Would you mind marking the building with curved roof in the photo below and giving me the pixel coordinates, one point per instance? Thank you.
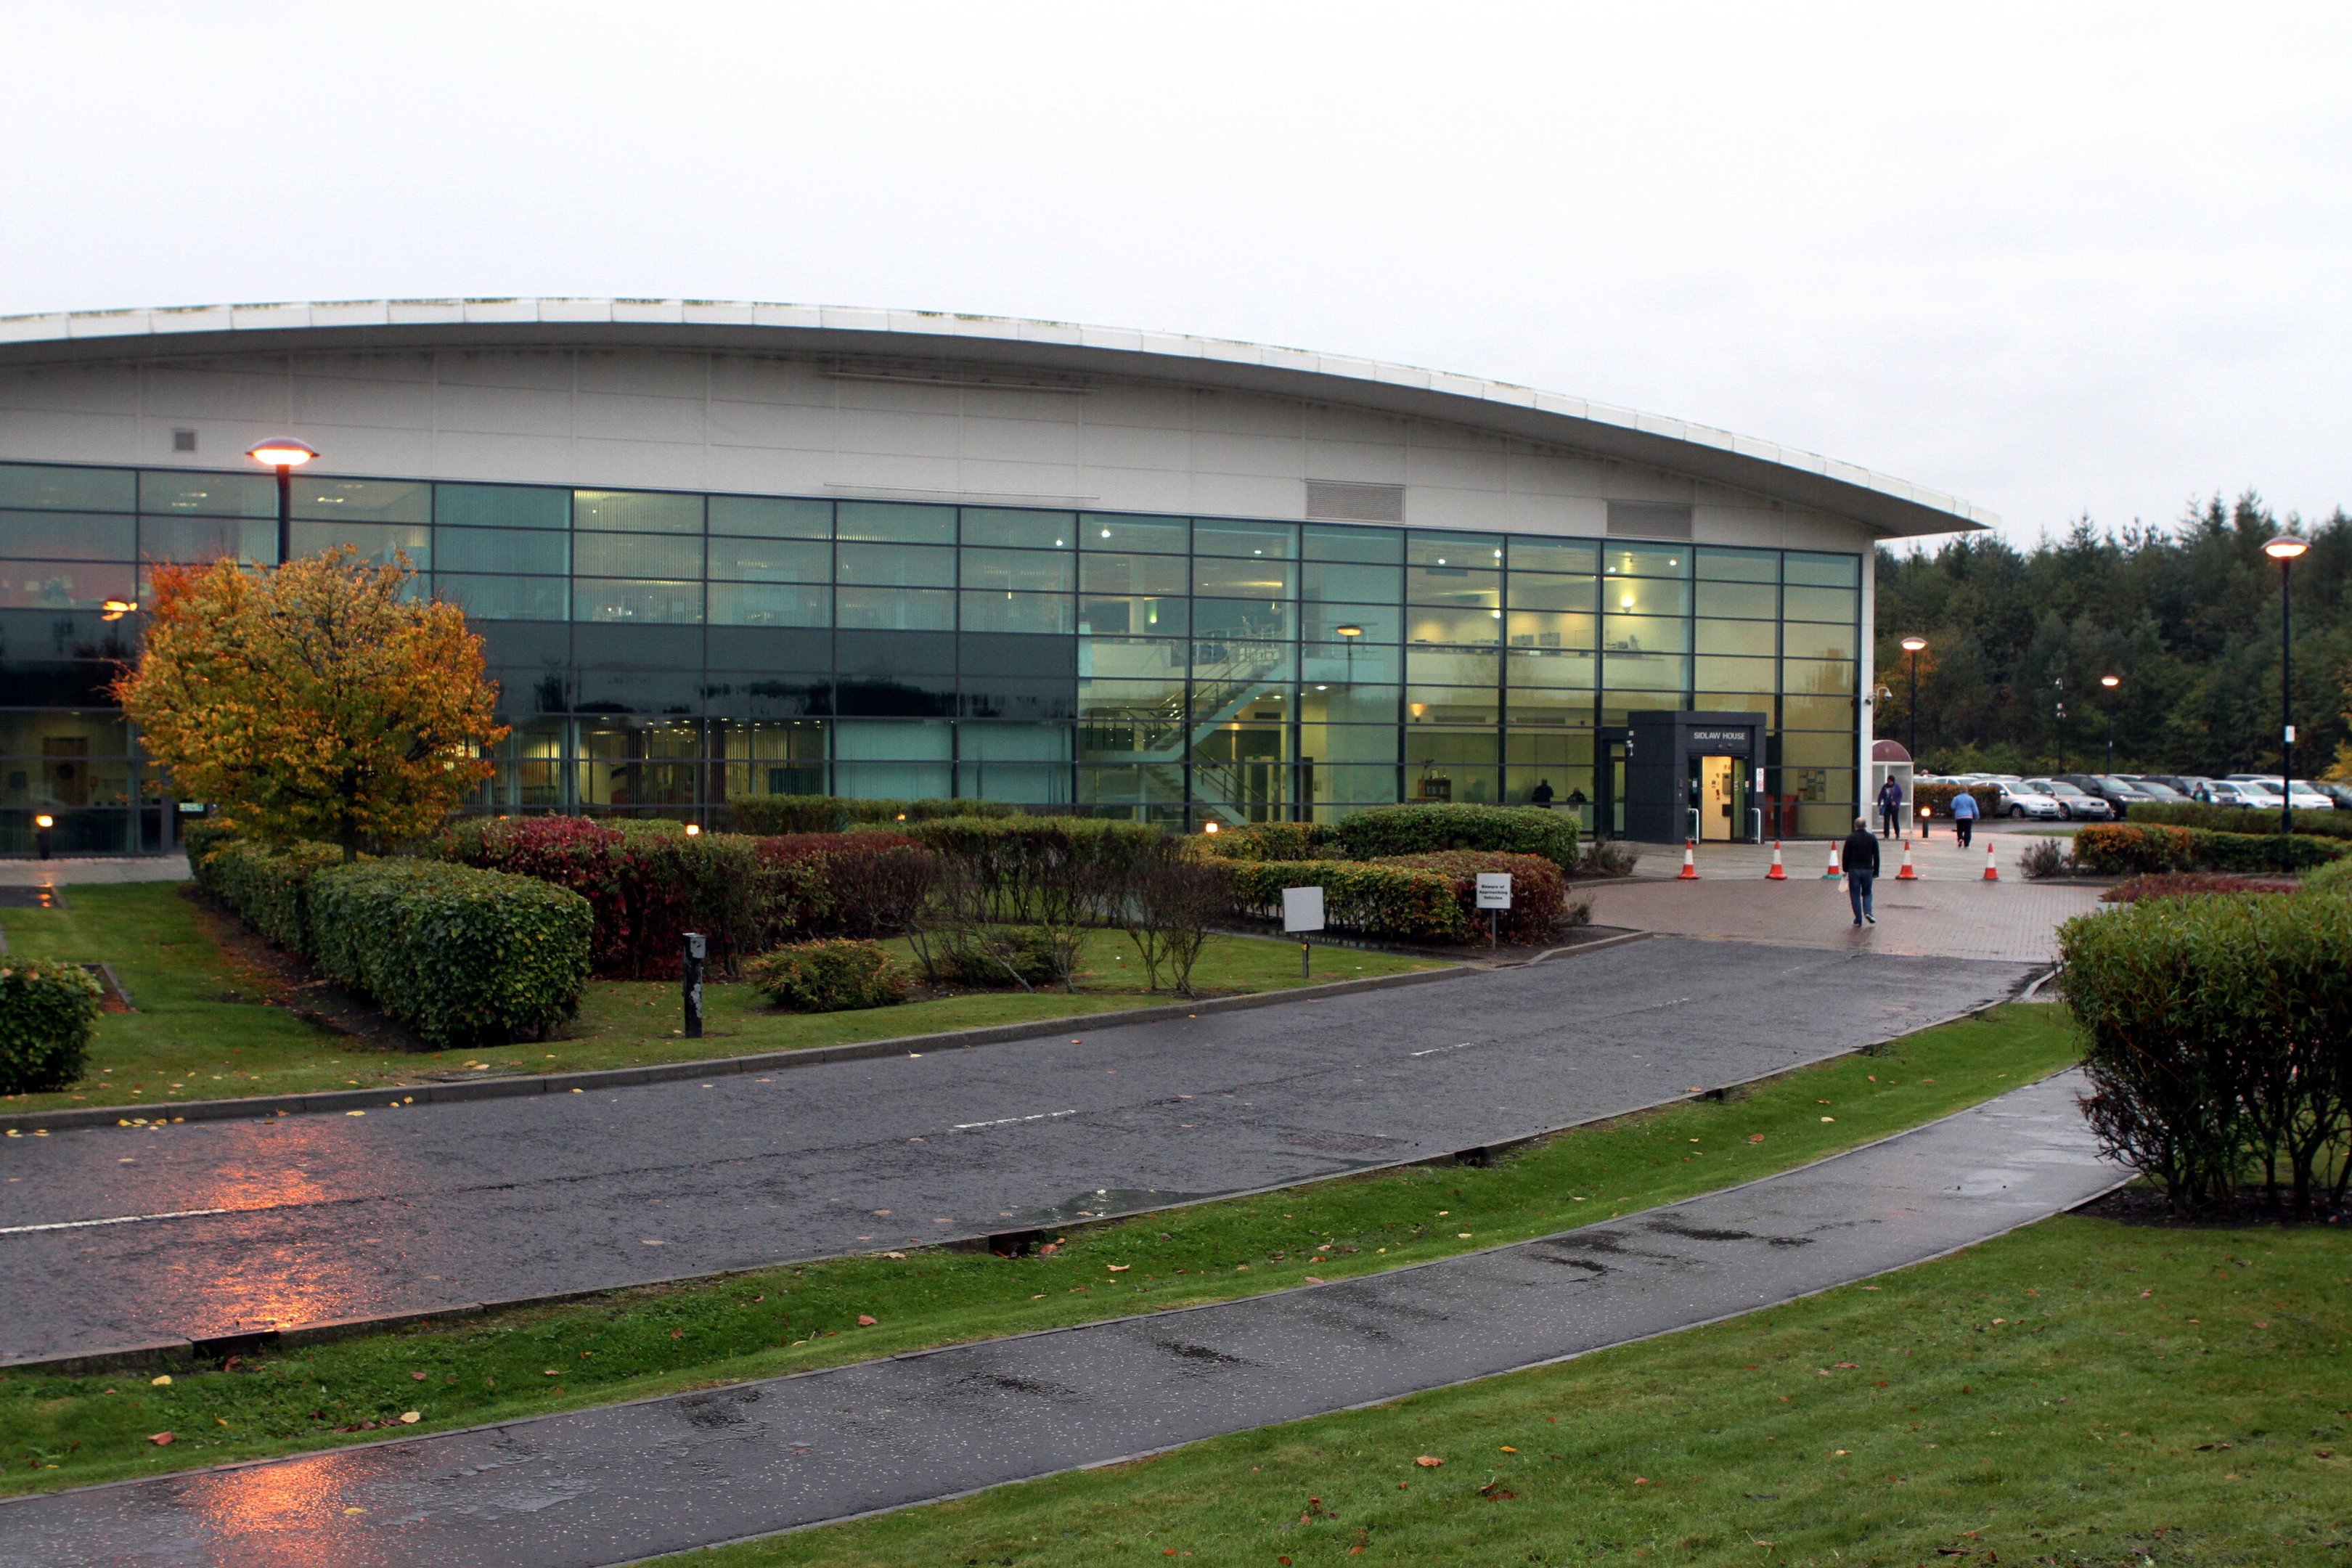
(718, 549)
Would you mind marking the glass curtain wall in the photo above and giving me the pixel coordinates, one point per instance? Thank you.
(662, 653)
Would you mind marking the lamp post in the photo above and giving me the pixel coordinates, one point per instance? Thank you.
(2286, 549)
(2059, 685)
(1912, 644)
(2110, 682)
(284, 454)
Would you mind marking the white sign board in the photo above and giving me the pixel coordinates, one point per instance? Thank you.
(1302, 909)
(1494, 890)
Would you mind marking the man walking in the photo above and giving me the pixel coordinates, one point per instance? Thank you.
(1964, 816)
(1861, 860)
(1890, 807)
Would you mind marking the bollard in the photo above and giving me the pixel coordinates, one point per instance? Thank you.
(698, 948)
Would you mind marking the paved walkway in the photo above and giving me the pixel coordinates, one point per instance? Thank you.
(112, 1238)
(626, 1482)
(93, 868)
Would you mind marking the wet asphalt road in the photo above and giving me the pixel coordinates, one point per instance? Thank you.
(626, 1482)
(437, 1207)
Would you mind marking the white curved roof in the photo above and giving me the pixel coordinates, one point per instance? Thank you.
(1891, 505)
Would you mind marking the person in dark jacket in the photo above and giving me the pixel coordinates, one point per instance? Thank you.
(1890, 806)
(1860, 859)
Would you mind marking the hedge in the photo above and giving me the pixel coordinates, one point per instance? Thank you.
(1417, 829)
(2132, 848)
(1027, 870)
(1273, 841)
(775, 813)
(1937, 798)
(828, 976)
(2336, 877)
(1403, 902)
(649, 885)
(1540, 904)
(2219, 1040)
(268, 888)
(461, 956)
(2241, 818)
(47, 1011)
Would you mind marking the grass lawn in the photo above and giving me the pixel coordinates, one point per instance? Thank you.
(640, 1342)
(187, 1042)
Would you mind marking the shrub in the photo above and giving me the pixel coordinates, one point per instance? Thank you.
(1417, 829)
(866, 884)
(2182, 884)
(1400, 902)
(2045, 858)
(2134, 848)
(2336, 877)
(1539, 902)
(1172, 898)
(831, 976)
(2242, 819)
(1608, 857)
(776, 814)
(269, 889)
(1273, 841)
(1058, 874)
(992, 958)
(2219, 1040)
(461, 956)
(47, 1011)
(200, 839)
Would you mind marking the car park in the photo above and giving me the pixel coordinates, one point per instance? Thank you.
(2118, 792)
(2300, 795)
(2020, 799)
(2079, 804)
(2155, 788)
(2232, 792)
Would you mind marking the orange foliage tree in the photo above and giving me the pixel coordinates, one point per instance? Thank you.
(312, 701)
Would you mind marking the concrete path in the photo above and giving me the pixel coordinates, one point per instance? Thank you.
(112, 1238)
(93, 868)
(626, 1482)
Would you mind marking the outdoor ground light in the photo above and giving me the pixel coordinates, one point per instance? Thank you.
(284, 454)
(694, 830)
(45, 820)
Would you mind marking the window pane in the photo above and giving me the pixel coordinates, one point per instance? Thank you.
(888, 522)
(1376, 546)
(1236, 666)
(507, 598)
(770, 604)
(1484, 551)
(1537, 667)
(1815, 676)
(614, 599)
(1136, 616)
(1817, 639)
(1453, 705)
(1242, 619)
(375, 542)
(1816, 748)
(1616, 705)
(1451, 666)
(1800, 712)
(324, 500)
(1016, 697)
(1757, 675)
(210, 495)
(1553, 706)
(1012, 743)
(1648, 672)
(770, 517)
(1020, 529)
(1156, 577)
(1146, 791)
(1533, 593)
(1555, 555)
(1458, 586)
(1821, 604)
(1347, 663)
(1238, 579)
(50, 585)
(68, 536)
(1755, 601)
(986, 611)
(503, 549)
(1336, 790)
(772, 560)
(1534, 628)
(1328, 702)
(1348, 743)
(1738, 565)
(1754, 637)
(1352, 583)
(1152, 535)
(896, 564)
(1262, 541)
(1240, 743)
(1739, 702)
(1425, 748)
(1121, 702)
(1373, 623)
(1823, 571)
(896, 609)
(1430, 625)
(636, 555)
(1644, 634)
(203, 538)
(1132, 658)
(77, 489)
(636, 512)
(501, 506)
(1646, 560)
(1637, 596)
(1031, 571)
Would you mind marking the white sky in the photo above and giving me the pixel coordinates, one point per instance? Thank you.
(2051, 258)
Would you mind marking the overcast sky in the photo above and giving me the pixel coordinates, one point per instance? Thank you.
(2054, 259)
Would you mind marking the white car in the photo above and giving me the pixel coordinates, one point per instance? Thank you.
(2301, 798)
(2235, 791)
(2076, 803)
(2019, 799)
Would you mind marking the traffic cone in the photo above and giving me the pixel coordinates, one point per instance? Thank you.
(1776, 874)
(1833, 873)
(1992, 871)
(1906, 874)
(1690, 864)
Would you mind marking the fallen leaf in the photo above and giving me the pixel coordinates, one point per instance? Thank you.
(162, 1382)
(1509, 1450)
(864, 1321)
(1641, 1480)
(1310, 1280)
(1829, 1118)
(159, 1439)
(1755, 1137)
(1429, 1461)
(1119, 1268)
(1495, 1491)
(901, 1256)
(352, 1510)
(1850, 1367)
(411, 1417)
(416, 1377)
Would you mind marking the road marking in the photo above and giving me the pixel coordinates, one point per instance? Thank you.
(1435, 1049)
(1009, 1121)
(118, 1219)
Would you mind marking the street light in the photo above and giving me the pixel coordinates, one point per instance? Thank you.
(1912, 644)
(2059, 685)
(2110, 682)
(2286, 549)
(284, 454)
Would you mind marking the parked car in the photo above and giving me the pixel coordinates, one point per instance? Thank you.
(2119, 793)
(2079, 804)
(2019, 799)
(2301, 796)
(2233, 792)
(2153, 787)
(2340, 794)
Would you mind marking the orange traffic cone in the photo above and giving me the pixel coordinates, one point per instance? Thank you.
(1992, 871)
(1834, 873)
(1690, 864)
(1906, 874)
(1776, 874)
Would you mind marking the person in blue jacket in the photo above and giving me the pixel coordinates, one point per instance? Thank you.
(1964, 815)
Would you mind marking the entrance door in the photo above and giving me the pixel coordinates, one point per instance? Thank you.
(1609, 785)
(1719, 786)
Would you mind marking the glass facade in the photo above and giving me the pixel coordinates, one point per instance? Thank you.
(661, 652)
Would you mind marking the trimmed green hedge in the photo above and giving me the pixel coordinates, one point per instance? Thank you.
(836, 814)
(1031, 869)
(1273, 841)
(1937, 798)
(268, 888)
(2336, 877)
(47, 1011)
(1418, 829)
(2135, 847)
(1403, 902)
(1540, 904)
(462, 956)
(2241, 818)
(827, 976)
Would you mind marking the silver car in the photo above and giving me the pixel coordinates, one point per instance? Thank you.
(2077, 804)
(2021, 799)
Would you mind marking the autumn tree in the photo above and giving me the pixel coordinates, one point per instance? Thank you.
(312, 701)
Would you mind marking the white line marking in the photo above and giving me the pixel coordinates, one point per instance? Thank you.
(1009, 1121)
(1435, 1049)
(118, 1219)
